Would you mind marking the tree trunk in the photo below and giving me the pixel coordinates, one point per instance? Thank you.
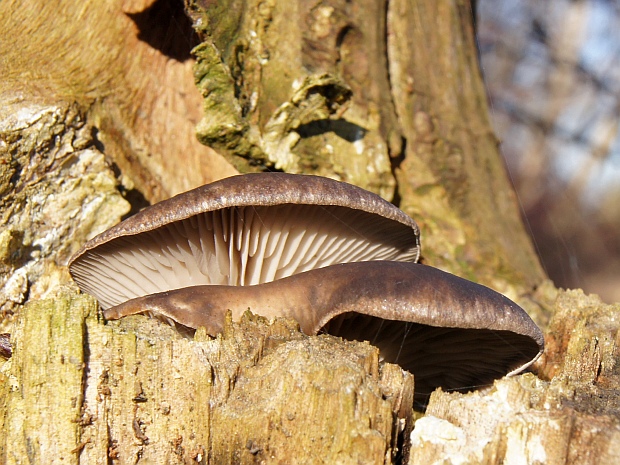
(385, 95)
(97, 118)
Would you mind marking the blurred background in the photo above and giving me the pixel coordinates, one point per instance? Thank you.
(552, 70)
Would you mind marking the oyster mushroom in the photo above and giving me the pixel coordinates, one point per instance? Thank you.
(243, 230)
(333, 256)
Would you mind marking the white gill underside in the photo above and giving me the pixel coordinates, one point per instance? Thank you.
(238, 246)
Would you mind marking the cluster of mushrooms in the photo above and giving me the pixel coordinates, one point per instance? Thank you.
(335, 257)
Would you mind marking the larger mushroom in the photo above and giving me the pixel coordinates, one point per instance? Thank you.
(333, 256)
(243, 230)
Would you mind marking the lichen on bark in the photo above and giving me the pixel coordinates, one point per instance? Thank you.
(329, 131)
(57, 186)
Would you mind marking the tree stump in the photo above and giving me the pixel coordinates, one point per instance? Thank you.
(99, 102)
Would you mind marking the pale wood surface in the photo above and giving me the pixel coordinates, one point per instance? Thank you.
(78, 391)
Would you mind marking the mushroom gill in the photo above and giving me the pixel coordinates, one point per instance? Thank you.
(243, 230)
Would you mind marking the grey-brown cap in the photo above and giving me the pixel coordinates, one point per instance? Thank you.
(243, 230)
(447, 331)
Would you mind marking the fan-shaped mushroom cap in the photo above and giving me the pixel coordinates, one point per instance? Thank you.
(447, 331)
(243, 230)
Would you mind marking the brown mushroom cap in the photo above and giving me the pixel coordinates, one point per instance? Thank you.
(243, 230)
(447, 331)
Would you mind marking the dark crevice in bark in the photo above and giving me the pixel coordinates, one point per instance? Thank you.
(165, 27)
(395, 164)
(396, 159)
(344, 129)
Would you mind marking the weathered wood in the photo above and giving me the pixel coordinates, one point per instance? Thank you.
(569, 415)
(56, 191)
(42, 385)
(452, 176)
(79, 391)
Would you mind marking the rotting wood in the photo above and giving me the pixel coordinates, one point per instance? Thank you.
(137, 390)
(79, 391)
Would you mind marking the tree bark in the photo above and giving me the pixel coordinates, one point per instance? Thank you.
(386, 95)
(99, 101)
